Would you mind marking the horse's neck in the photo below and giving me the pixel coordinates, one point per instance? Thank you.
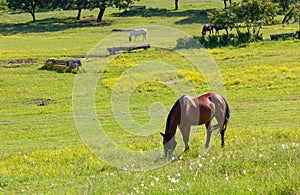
(173, 120)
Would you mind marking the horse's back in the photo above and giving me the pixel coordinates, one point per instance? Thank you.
(196, 110)
(139, 31)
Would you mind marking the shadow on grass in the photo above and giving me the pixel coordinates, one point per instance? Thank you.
(191, 16)
(58, 24)
(50, 25)
(215, 41)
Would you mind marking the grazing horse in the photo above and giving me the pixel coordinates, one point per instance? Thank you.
(138, 32)
(217, 28)
(207, 27)
(188, 111)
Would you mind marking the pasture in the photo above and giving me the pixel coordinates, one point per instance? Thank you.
(42, 151)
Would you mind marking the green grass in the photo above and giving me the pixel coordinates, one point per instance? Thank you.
(42, 152)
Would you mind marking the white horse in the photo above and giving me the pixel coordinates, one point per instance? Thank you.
(138, 32)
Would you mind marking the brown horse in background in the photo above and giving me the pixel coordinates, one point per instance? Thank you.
(217, 28)
(188, 111)
(207, 27)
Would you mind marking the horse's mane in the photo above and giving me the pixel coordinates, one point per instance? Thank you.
(172, 114)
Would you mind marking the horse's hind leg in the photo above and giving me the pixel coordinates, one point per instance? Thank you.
(222, 138)
(220, 120)
(208, 133)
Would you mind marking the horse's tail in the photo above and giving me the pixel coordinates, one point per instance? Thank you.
(227, 115)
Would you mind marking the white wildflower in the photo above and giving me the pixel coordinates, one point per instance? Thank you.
(174, 180)
(156, 179)
(227, 178)
(136, 189)
(295, 144)
(285, 146)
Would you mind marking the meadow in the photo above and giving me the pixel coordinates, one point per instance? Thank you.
(43, 150)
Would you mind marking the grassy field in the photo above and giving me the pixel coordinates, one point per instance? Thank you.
(43, 150)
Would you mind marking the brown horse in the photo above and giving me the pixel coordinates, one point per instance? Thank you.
(217, 28)
(188, 111)
(207, 27)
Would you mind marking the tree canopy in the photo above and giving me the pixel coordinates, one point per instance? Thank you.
(292, 14)
(252, 13)
(30, 6)
(3, 6)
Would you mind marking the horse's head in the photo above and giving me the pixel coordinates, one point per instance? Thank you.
(130, 38)
(204, 30)
(169, 144)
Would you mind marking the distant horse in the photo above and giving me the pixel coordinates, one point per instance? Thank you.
(207, 27)
(217, 28)
(188, 111)
(138, 32)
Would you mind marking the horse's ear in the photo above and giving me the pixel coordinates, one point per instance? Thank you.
(162, 134)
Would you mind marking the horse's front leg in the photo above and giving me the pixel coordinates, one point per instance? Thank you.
(185, 131)
(208, 133)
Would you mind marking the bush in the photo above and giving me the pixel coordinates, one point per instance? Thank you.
(59, 69)
(188, 43)
(297, 34)
(230, 39)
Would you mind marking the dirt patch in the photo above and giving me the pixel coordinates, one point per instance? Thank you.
(88, 56)
(19, 63)
(28, 61)
(94, 20)
(41, 102)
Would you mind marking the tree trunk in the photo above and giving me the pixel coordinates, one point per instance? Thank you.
(225, 3)
(101, 13)
(176, 4)
(32, 11)
(79, 14)
(33, 16)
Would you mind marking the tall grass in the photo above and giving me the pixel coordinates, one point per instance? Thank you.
(42, 152)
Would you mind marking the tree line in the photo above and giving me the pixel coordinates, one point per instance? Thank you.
(30, 6)
(252, 13)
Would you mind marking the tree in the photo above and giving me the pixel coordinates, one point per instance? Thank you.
(225, 3)
(78, 5)
(224, 17)
(285, 3)
(3, 6)
(176, 4)
(255, 13)
(292, 14)
(103, 4)
(29, 6)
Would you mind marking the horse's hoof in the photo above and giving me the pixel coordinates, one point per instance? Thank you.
(187, 149)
